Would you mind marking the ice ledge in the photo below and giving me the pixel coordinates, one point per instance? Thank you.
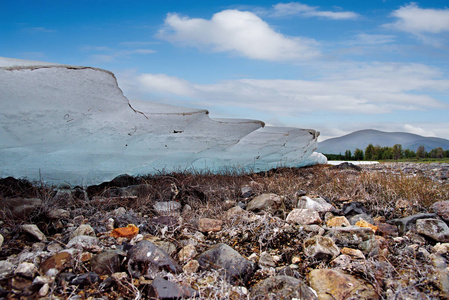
(71, 124)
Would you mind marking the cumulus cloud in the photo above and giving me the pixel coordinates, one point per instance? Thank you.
(297, 8)
(240, 32)
(364, 89)
(416, 20)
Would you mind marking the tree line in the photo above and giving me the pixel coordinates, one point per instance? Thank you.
(382, 153)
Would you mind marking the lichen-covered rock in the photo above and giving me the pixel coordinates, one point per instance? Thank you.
(83, 242)
(237, 269)
(145, 258)
(334, 284)
(434, 229)
(303, 217)
(350, 236)
(338, 221)
(320, 247)
(282, 287)
(441, 208)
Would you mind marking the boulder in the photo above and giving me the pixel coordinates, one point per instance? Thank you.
(282, 287)
(237, 269)
(320, 247)
(265, 203)
(303, 217)
(434, 229)
(337, 285)
(145, 258)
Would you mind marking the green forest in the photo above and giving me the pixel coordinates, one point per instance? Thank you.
(390, 153)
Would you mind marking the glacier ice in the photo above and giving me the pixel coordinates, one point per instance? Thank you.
(61, 123)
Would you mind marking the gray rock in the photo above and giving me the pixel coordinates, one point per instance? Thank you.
(355, 218)
(1, 240)
(265, 203)
(146, 254)
(164, 289)
(34, 231)
(6, 268)
(83, 229)
(441, 208)
(266, 260)
(434, 229)
(83, 242)
(237, 269)
(26, 269)
(85, 279)
(350, 235)
(282, 287)
(105, 263)
(318, 204)
(404, 224)
(321, 247)
(303, 216)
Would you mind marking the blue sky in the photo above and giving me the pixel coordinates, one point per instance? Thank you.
(334, 66)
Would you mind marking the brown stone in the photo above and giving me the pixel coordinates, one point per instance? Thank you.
(335, 284)
(206, 225)
(128, 232)
(59, 261)
(363, 223)
(338, 221)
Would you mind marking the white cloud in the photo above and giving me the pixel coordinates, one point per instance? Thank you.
(297, 8)
(238, 32)
(374, 39)
(364, 89)
(418, 130)
(415, 20)
(110, 54)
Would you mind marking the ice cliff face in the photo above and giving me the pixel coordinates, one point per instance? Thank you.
(70, 124)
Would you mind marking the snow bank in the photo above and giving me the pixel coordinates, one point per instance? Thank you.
(62, 123)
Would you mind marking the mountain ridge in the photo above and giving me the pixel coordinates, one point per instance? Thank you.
(362, 138)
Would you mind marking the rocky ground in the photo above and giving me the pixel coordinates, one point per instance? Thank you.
(322, 232)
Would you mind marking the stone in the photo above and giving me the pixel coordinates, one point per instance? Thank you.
(337, 285)
(6, 268)
(441, 248)
(353, 208)
(265, 203)
(356, 253)
(320, 247)
(385, 230)
(1, 240)
(441, 208)
(359, 217)
(34, 231)
(164, 289)
(59, 262)
(338, 221)
(58, 213)
(187, 253)
(346, 166)
(363, 223)
(303, 216)
(206, 225)
(404, 224)
(83, 229)
(318, 204)
(350, 236)
(44, 290)
(235, 211)
(167, 207)
(375, 246)
(85, 279)
(434, 229)
(343, 262)
(83, 242)
(21, 284)
(26, 269)
(105, 263)
(266, 260)
(282, 287)
(167, 247)
(237, 269)
(145, 253)
(191, 267)
(128, 232)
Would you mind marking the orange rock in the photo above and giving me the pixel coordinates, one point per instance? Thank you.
(129, 231)
(363, 223)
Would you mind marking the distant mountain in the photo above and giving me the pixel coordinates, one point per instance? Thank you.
(361, 139)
